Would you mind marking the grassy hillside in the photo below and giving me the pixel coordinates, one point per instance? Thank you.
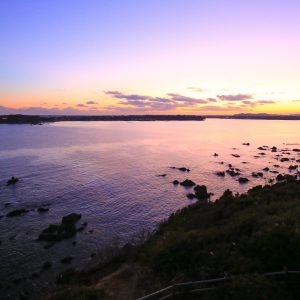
(238, 235)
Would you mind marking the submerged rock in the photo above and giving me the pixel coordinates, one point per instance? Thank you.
(17, 212)
(175, 182)
(182, 169)
(243, 180)
(257, 174)
(42, 209)
(187, 183)
(232, 173)
(284, 159)
(235, 155)
(266, 169)
(12, 181)
(246, 144)
(295, 167)
(221, 174)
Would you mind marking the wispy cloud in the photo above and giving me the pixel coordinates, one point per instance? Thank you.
(91, 103)
(236, 97)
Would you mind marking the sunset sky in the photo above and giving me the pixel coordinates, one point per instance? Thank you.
(158, 56)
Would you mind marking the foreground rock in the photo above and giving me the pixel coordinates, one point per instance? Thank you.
(201, 192)
(65, 230)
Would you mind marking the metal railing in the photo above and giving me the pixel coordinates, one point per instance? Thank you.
(192, 287)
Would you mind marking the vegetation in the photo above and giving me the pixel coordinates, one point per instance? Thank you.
(238, 235)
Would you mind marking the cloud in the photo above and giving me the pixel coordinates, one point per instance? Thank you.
(236, 97)
(81, 105)
(262, 102)
(91, 103)
(171, 102)
(186, 100)
(196, 89)
(119, 95)
(257, 103)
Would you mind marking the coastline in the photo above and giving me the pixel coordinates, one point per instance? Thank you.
(233, 235)
(39, 119)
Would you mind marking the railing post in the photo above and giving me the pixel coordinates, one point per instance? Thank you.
(173, 290)
(285, 269)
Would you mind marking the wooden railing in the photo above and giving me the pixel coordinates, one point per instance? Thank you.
(202, 286)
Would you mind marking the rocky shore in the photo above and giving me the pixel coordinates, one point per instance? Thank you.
(240, 235)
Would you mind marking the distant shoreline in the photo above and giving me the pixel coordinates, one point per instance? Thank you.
(39, 120)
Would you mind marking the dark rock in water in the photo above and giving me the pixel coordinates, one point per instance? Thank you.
(66, 276)
(298, 160)
(221, 174)
(65, 230)
(229, 165)
(235, 155)
(262, 153)
(191, 196)
(295, 167)
(12, 181)
(42, 209)
(201, 192)
(66, 260)
(232, 173)
(274, 149)
(284, 159)
(246, 144)
(296, 150)
(257, 174)
(243, 180)
(216, 154)
(161, 175)
(71, 218)
(264, 148)
(17, 212)
(276, 166)
(187, 183)
(183, 169)
(274, 172)
(175, 182)
(47, 265)
(266, 169)
(280, 177)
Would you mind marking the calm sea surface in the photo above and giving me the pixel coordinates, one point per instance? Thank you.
(107, 172)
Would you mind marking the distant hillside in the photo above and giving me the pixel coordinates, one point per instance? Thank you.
(27, 119)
